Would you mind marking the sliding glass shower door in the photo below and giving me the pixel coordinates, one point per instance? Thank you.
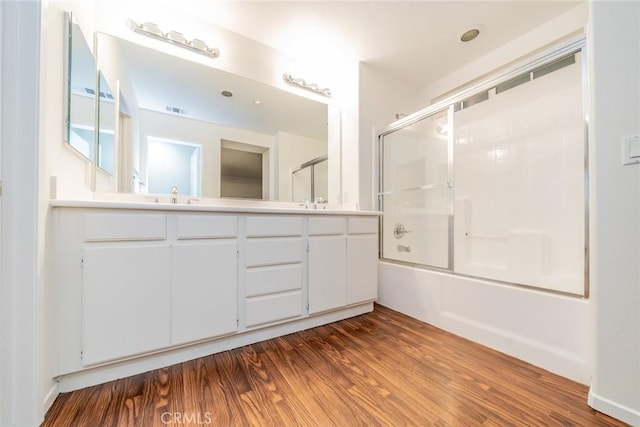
(416, 192)
(493, 183)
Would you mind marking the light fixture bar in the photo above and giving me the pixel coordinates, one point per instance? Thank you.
(296, 81)
(174, 37)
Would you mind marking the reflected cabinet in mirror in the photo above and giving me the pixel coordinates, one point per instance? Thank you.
(207, 132)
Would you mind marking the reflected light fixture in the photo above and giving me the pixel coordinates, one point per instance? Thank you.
(296, 81)
(174, 37)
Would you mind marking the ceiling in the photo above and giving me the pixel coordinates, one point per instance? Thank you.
(416, 41)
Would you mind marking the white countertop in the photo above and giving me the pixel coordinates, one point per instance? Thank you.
(204, 207)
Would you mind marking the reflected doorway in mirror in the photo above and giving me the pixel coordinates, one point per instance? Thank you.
(173, 163)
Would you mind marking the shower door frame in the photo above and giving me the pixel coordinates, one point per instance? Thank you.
(573, 46)
(449, 185)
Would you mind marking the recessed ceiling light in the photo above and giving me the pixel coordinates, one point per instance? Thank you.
(470, 35)
(227, 93)
(257, 102)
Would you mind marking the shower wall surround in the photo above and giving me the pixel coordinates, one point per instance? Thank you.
(492, 185)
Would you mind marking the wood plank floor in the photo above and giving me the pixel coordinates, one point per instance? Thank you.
(381, 368)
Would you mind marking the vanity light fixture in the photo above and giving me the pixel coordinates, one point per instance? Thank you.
(296, 81)
(174, 37)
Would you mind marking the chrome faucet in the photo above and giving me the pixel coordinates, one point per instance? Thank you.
(304, 203)
(174, 195)
(318, 201)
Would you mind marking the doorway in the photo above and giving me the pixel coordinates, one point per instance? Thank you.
(173, 163)
(244, 170)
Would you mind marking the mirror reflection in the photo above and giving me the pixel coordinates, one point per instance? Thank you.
(81, 92)
(205, 131)
(106, 136)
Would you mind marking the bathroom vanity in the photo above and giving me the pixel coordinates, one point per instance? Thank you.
(145, 285)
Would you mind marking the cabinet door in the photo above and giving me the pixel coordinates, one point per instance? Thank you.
(126, 301)
(362, 268)
(327, 273)
(204, 290)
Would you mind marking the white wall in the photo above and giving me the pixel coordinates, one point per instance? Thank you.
(615, 209)
(548, 330)
(24, 376)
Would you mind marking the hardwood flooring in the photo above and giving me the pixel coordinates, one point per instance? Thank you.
(378, 369)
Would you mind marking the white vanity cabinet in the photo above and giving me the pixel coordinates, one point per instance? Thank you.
(343, 261)
(273, 269)
(362, 259)
(125, 285)
(125, 301)
(327, 260)
(141, 286)
(204, 277)
(134, 282)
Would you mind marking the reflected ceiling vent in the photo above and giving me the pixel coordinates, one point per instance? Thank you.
(85, 91)
(91, 92)
(175, 110)
(106, 95)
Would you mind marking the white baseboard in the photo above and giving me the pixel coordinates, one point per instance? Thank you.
(51, 395)
(613, 409)
(126, 368)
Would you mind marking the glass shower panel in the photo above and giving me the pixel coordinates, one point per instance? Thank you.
(416, 192)
(519, 176)
(321, 180)
(301, 185)
(416, 227)
(417, 155)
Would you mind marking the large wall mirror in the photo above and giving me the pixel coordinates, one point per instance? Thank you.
(208, 132)
(80, 91)
(80, 118)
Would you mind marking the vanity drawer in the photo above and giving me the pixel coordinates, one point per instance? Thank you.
(271, 308)
(261, 252)
(206, 226)
(322, 226)
(272, 226)
(356, 225)
(273, 279)
(121, 227)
